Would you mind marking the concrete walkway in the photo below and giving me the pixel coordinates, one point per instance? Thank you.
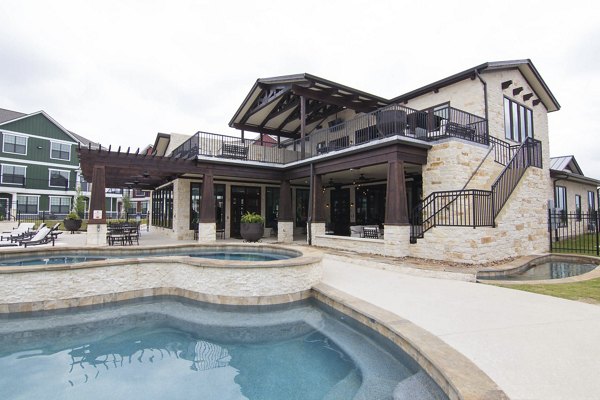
(532, 346)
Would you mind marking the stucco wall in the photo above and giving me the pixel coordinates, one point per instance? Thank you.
(577, 188)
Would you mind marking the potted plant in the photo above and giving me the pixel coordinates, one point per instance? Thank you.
(72, 222)
(252, 227)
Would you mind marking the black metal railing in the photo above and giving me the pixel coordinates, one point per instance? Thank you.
(574, 232)
(34, 183)
(233, 148)
(395, 120)
(528, 154)
(467, 208)
(503, 151)
(475, 208)
(392, 120)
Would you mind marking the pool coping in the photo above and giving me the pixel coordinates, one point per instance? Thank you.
(535, 260)
(306, 256)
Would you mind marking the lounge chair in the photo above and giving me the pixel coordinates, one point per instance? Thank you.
(24, 227)
(27, 235)
(54, 230)
(42, 237)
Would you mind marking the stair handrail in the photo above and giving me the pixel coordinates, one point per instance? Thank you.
(529, 153)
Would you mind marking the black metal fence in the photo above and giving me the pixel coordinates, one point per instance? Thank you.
(47, 216)
(575, 232)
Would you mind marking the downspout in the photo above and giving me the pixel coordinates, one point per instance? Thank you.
(310, 207)
(485, 100)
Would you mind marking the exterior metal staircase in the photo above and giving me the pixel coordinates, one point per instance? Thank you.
(474, 207)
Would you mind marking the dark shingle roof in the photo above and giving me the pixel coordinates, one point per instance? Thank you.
(7, 115)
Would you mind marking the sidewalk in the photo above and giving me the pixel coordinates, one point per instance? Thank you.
(532, 346)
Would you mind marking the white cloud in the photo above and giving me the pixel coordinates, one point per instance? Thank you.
(120, 71)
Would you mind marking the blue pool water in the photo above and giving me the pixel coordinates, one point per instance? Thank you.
(174, 349)
(549, 270)
(70, 259)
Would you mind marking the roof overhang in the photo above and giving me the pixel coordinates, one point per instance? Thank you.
(526, 68)
(568, 176)
(273, 104)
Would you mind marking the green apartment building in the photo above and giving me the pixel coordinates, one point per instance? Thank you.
(39, 166)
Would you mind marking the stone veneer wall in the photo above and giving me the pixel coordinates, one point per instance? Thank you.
(48, 288)
(207, 232)
(521, 229)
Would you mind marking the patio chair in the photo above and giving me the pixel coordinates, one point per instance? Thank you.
(42, 237)
(371, 232)
(54, 230)
(22, 228)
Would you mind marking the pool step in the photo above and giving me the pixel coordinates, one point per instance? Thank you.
(418, 387)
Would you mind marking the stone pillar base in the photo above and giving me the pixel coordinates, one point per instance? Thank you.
(96, 234)
(316, 228)
(397, 240)
(285, 231)
(207, 232)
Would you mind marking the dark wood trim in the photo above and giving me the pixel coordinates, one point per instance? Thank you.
(318, 208)
(396, 207)
(98, 195)
(285, 202)
(506, 84)
(207, 205)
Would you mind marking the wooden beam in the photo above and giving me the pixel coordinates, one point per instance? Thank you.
(506, 84)
(527, 96)
(302, 127)
(517, 91)
(330, 99)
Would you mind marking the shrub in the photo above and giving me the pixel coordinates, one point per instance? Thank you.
(252, 218)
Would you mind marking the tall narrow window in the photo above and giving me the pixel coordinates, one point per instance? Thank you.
(561, 198)
(578, 207)
(518, 121)
(591, 201)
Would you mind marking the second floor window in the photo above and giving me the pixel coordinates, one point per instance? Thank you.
(60, 151)
(14, 174)
(518, 121)
(14, 144)
(59, 178)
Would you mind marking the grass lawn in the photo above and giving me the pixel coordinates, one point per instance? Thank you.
(582, 244)
(586, 291)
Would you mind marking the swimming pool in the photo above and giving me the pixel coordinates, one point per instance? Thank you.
(170, 348)
(230, 253)
(551, 268)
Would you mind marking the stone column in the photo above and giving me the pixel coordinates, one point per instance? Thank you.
(318, 208)
(397, 228)
(96, 229)
(181, 210)
(285, 221)
(207, 227)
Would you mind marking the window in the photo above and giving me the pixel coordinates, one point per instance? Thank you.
(591, 201)
(14, 174)
(560, 198)
(59, 178)
(60, 205)
(27, 204)
(60, 151)
(14, 144)
(578, 207)
(518, 121)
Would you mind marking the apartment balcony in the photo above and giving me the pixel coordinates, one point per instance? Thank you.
(20, 181)
(393, 120)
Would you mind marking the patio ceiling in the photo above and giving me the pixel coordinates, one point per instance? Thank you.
(273, 104)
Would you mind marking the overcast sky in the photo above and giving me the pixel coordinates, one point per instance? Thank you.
(118, 72)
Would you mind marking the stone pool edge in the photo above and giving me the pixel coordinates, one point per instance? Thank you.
(532, 261)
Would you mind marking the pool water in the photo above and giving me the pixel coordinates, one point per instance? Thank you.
(174, 349)
(549, 270)
(215, 255)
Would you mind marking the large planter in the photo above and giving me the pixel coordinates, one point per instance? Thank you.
(72, 224)
(252, 232)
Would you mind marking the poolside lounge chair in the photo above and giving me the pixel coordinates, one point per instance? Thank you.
(27, 235)
(54, 230)
(21, 229)
(42, 237)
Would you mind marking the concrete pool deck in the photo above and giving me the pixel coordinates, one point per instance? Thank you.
(532, 346)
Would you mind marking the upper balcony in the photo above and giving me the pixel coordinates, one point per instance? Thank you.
(390, 121)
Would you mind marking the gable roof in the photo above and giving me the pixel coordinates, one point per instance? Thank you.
(273, 104)
(565, 164)
(7, 116)
(526, 68)
(566, 167)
